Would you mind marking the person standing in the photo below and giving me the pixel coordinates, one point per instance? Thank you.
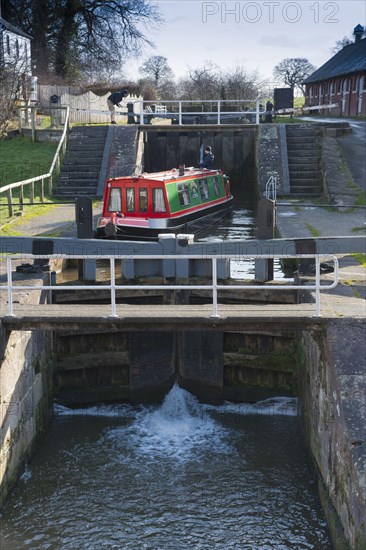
(208, 158)
(113, 101)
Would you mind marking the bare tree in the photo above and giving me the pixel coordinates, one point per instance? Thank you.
(340, 44)
(293, 71)
(239, 84)
(203, 83)
(71, 32)
(12, 89)
(157, 69)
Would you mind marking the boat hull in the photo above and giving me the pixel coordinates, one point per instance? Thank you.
(192, 222)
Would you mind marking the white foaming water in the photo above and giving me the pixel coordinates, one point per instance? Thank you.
(275, 406)
(180, 429)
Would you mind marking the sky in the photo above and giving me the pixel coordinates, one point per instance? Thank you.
(256, 35)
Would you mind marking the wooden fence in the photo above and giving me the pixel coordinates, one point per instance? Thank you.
(55, 166)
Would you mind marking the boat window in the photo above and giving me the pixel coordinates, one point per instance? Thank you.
(215, 180)
(130, 199)
(203, 188)
(115, 200)
(158, 200)
(143, 200)
(183, 194)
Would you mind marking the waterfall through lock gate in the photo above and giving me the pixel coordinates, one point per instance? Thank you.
(178, 475)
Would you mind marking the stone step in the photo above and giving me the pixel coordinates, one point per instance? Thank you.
(81, 182)
(309, 162)
(303, 153)
(74, 173)
(300, 174)
(82, 160)
(301, 132)
(302, 139)
(311, 147)
(75, 191)
(77, 147)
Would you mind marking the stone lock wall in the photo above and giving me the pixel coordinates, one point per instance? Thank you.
(26, 393)
(333, 410)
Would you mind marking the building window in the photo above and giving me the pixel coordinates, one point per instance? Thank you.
(183, 194)
(17, 48)
(215, 180)
(115, 200)
(143, 199)
(204, 189)
(8, 44)
(130, 199)
(158, 200)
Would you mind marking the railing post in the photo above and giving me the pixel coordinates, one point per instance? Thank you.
(31, 193)
(113, 287)
(10, 202)
(219, 112)
(180, 113)
(33, 118)
(317, 286)
(42, 190)
(141, 112)
(257, 113)
(50, 185)
(21, 198)
(10, 282)
(214, 288)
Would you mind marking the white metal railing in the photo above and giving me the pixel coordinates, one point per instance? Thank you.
(214, 286)
(271, 187)
(217, 114)
(8, 189)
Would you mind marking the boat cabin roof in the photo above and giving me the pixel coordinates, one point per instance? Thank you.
(171, 175)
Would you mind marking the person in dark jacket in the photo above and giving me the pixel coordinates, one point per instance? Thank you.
(208, 158)
(115, 100)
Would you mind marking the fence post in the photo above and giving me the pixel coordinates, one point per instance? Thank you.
(21, 198)
(50, 184)
(42, 190)
(219, 112)
(10, 202)
(180, 113)
(33, 118)
(31, 193)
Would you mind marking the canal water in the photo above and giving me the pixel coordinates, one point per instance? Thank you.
(175, 476)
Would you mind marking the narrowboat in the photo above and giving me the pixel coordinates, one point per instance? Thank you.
(184, 200)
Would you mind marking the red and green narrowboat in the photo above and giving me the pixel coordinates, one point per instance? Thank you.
(175, 201)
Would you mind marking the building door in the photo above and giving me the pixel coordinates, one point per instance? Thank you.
(344, 94)
(360, 92)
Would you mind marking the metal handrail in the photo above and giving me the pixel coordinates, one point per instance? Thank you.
(180, 113)
(112, 287)
(271, 187)
(55, 162)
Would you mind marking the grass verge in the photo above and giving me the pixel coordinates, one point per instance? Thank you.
(21, 159)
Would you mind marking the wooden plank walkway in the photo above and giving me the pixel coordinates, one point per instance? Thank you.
(176, 317)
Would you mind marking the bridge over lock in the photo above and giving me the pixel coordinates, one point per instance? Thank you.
(192, 297)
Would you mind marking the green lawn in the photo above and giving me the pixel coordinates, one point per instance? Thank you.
(21, 159)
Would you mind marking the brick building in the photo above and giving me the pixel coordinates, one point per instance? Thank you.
(340, 84)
